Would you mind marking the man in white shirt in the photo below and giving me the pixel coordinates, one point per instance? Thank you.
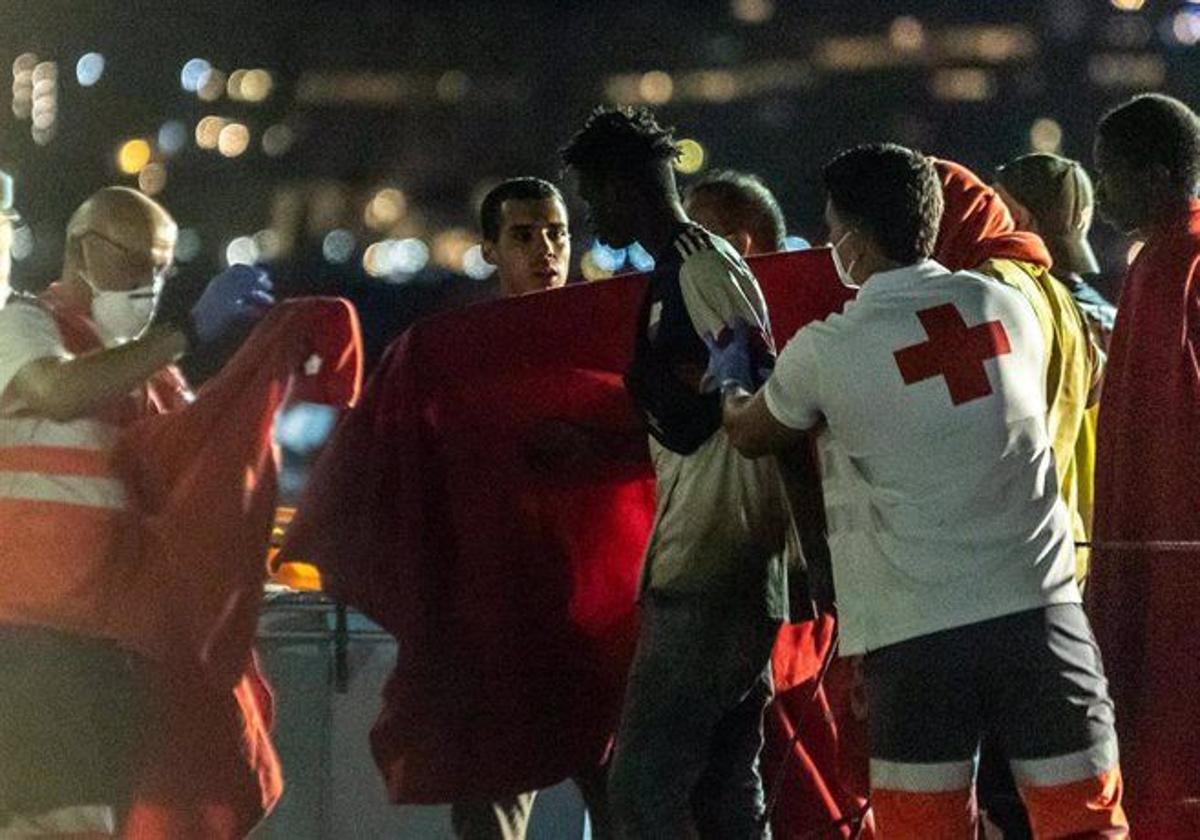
(952, 550)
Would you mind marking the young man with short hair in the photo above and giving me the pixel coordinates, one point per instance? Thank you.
(952, 551)
(526, 235)
(714, 581)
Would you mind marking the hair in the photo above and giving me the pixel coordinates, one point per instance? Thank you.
(1155, 129)
(620, 140)
(747, 199)
(891, 193)
(514, 189)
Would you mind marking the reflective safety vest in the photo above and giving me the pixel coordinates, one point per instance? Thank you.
(65, 525)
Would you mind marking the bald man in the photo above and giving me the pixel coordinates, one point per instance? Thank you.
(77, 363)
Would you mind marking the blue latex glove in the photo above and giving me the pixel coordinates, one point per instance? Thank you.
(729, 358)
(237, 297)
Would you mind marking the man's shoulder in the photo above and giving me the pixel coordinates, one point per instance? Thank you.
(22, 314)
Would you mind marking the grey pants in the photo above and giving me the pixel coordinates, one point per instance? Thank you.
(686, 757)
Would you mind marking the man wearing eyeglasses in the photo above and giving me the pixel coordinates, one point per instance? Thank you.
(77, 363)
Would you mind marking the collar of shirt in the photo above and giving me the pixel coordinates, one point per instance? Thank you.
(901, 278)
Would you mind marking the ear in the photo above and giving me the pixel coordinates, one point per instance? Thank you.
(489, 252)
(741, 242)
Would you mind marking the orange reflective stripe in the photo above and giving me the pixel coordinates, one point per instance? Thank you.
(901, 815)
(1085, 809)
(55, 460)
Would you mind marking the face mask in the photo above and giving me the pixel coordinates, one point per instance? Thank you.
(843, 270)
(121, 316)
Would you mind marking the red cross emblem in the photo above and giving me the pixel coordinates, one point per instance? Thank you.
(954, 351)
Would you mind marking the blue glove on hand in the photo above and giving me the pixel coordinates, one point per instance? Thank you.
(729, 358)
(237, 297)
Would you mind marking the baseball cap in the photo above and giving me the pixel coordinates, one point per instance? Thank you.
(1058, 192)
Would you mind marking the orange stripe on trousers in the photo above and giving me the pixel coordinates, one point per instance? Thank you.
(1086, 809)
(904, 815)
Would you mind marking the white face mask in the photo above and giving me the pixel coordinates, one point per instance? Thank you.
(122, 316)
(843, 270)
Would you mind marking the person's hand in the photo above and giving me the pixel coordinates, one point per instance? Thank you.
(729, 361)
(237, 297)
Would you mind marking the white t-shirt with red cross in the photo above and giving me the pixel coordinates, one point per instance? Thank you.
(939, 480)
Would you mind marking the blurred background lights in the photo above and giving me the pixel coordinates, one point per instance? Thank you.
(208, 131)
(1045, 135)
(22, 86)
(233, 140)
(89, 69)
(269, 244)
(338, 246)
(22, 242)
(241, 250)
(907, 34)
(212, 85)
(187, 245)
(589, 268)
(453, 86)
(608, 259)
(796, 243)
(133, 155)
(256, 85)
(1185, 27)
(691, 156)
(152, 179)
(656, 87)
(752, 11)
(406, 256)
(385, 208)
(450, 247)
(1128, 5)
(277, 139)
(639, 257)
(475, 266)
(193, 74)
(172, 137)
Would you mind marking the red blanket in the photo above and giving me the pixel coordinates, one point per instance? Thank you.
(203, 484)
(1143, 601)
(977, 226)
(509, 587)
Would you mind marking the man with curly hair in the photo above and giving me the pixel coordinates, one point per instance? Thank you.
(714, 580)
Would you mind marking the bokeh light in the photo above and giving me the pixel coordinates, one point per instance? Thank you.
(656, 87)
(152, 179)
(212, 85)
(385, 208)
(1045, 135)
(639, 257)
(233, 140)
(277, 139)
(241, 250)
(172, 137)
(752, 11)
(89, 68)
(338, 246)
(691, 156)
(256, 85)
(133, 155)
(193, 73)
(208, 131)
(475, 266)
(187, 245)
